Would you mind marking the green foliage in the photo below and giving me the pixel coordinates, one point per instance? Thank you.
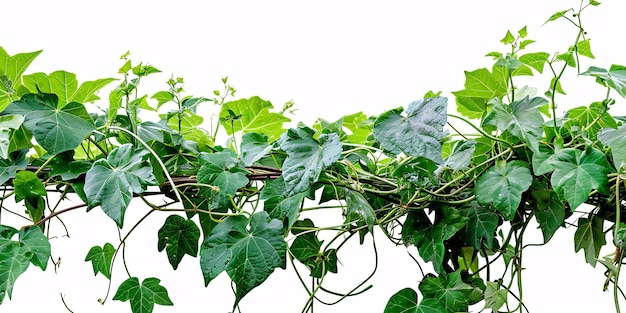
(463, 199)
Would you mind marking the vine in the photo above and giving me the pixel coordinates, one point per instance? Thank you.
(464, 200)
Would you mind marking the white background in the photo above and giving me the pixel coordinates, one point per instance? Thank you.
(332, 58)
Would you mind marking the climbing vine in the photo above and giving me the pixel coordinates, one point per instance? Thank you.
(233, 182)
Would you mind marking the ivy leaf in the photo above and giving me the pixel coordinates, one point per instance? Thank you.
(68, 168)
(540, 160)
(615, 77)
(536, 60)
(419, 133)
(449, 290)
(249, 256)
(550, 212)
(8, 167)
(306, 248)
(142, 296)
(403, 301)
(429, 242)
(101, 258)
(584, 48)
(55, 128)
(223, 171)
(589, 236)
(480, 87)
(7, 232)
(179, 236)
(111, 182)
(65, 86)
(11, 69)
(253, 116)
(521, 118)
(254, 146)
(508, 38)
(7, 124)
(576, 173)
(13, 262)
(35, 246)
(29, 188)
(461, 155)
(616, 140)
(502, 185)
(306, 157)
(581, 117)
(557, 16)
(481, 225)
(359, 209)
(495, 296)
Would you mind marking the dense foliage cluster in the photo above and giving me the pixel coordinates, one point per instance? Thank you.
(235, 192)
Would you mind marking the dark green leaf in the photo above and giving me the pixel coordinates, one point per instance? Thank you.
(142, 296)
(449, 290)
(615, 77)
(249, 256)
(7, 232)
(223, 171)
(253, 115)
(101, 258)
(306, 248)
(178, 236)
(8, 167)
(521, 118)
(430, 245)
(307, 157)
(403, 301)
(55, 128)
(550, 212)
(111, 182)
(590, 237)
(68, 168)
(540, 160)
(502, 185)
(13, 262)
(419, 133)
(481, 225)
(29, 188)
(576, 173)
(35, 246)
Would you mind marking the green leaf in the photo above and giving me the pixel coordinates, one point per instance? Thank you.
(508, 38)
(224, 171)
(249, 256)
(8, 167)
(522, 32)
(616, 140)
(590, 237)
(584, 48)
(306, 157)
(449, 290)
(495, 296)
(576, 173)
(55, 128)
(178, 236)
(11, 70)
(101, 259)
(461, 155)
(359, 209)
(536, 60)
(29, 188)
(521, 118)
(594, 2)
(111, 182)
(557, 88)
(550, 212)
(419, 133)
(481, 225)
(615, 77)
(253, 116)
(557, 15)
(568, 57)
(13, 262)
(68, 168)
(35, 246)
(7, 124)
(306, 248)
(162, 97)
(254, 146)
(142, 296)
(65, 86)
(7, 232)
(480, 87)
(403, 301)
(502, 185)
(430, 245)
(524, 43)
(581, 117)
